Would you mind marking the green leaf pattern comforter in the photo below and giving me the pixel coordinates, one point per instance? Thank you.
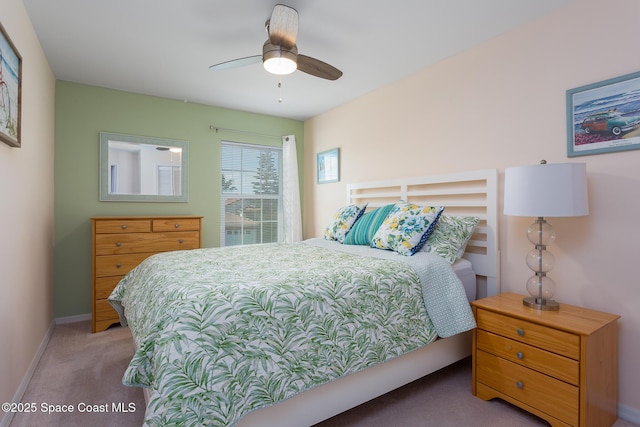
(224, 331)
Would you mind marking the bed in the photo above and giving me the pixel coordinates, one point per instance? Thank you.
(297, 305)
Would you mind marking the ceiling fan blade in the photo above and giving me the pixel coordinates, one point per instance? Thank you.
(235, 63)
(317, 68)
(283, 26)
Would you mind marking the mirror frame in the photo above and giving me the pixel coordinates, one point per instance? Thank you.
(105, 196)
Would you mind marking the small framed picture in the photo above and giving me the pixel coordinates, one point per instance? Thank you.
(604, 117)
(328, 166)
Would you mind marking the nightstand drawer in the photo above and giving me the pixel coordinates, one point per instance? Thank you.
(560, 367)
(550, 339)
(556, 398)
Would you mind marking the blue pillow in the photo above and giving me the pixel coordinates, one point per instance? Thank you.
(364, 229)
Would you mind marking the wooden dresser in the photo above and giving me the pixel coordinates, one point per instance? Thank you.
(121, 243)
(559, 365)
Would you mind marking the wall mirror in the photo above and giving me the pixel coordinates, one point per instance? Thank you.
(143, 169)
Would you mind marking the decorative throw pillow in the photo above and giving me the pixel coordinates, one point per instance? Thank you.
(450, 236)
(363, 230)
(342, 222)
(406, 228)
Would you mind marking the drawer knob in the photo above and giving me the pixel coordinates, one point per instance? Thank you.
(118, 265)
(519, 355)
(124, 226)
(519, 385)
(177, 225)
(520, 332)
(181, 241)
(118, 244)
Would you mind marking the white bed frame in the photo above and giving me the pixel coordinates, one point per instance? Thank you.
(467, 193)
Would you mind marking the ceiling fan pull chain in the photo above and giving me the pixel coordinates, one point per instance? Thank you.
(280, 91)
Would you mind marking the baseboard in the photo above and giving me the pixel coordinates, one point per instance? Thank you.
(628, 413)
(72, 319)
(8, 416)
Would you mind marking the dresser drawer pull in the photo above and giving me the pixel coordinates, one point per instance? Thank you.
(181, 241)
(519, 384)
(519, 355)
(177, 225)
(520, 332)
(124, 226)
(118, 265)
(118, 244)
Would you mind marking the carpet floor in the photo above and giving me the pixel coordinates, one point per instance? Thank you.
(84, 371)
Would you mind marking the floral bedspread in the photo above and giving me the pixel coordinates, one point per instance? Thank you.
(224, 331)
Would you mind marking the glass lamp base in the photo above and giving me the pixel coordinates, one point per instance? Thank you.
(541, 304)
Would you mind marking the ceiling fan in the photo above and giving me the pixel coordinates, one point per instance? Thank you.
(280, 52)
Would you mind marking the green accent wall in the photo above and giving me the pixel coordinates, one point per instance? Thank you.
(81, 113)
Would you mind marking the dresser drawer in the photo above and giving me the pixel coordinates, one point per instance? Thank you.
(105, 315)
(123, 226)
(105, 311)
(176, 224)
(554, 340)
(112, 244)
(106, 285)
(560, 367)
(556, 398)
(118, 265)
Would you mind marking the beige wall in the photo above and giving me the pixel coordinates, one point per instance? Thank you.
(499, 105)
(26, 211)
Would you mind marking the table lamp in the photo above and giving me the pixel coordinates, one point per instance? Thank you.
(544, 190)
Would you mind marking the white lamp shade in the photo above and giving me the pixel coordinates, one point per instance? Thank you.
(546, 190)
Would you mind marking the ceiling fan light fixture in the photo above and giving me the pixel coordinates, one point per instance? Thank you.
(278, 60)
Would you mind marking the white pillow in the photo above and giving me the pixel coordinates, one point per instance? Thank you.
(406, 228)
(342, 222)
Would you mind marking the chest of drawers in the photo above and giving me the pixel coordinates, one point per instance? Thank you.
(121, 243)
(559, 365)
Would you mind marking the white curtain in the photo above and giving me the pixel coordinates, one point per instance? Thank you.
(291, 191)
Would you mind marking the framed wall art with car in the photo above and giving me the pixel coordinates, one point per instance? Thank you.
(604, 117)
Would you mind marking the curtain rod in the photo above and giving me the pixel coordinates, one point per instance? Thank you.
(217, 128)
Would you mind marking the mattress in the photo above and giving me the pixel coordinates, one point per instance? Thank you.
(464, 270)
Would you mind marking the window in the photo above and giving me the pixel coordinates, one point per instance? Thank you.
(251, 205)
(113, 182)
(169, 179)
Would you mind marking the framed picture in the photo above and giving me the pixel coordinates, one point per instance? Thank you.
(328, 165)
(10, 91)
(604, 117)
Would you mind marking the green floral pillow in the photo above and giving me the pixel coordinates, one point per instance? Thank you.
(406, 228)
(342, 222)
(450, 236)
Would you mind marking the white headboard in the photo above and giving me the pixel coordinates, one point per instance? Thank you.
(465, 193)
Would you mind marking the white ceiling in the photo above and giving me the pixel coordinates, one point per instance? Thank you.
(165, 47)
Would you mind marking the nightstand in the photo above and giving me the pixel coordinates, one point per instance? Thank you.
(559, 365)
